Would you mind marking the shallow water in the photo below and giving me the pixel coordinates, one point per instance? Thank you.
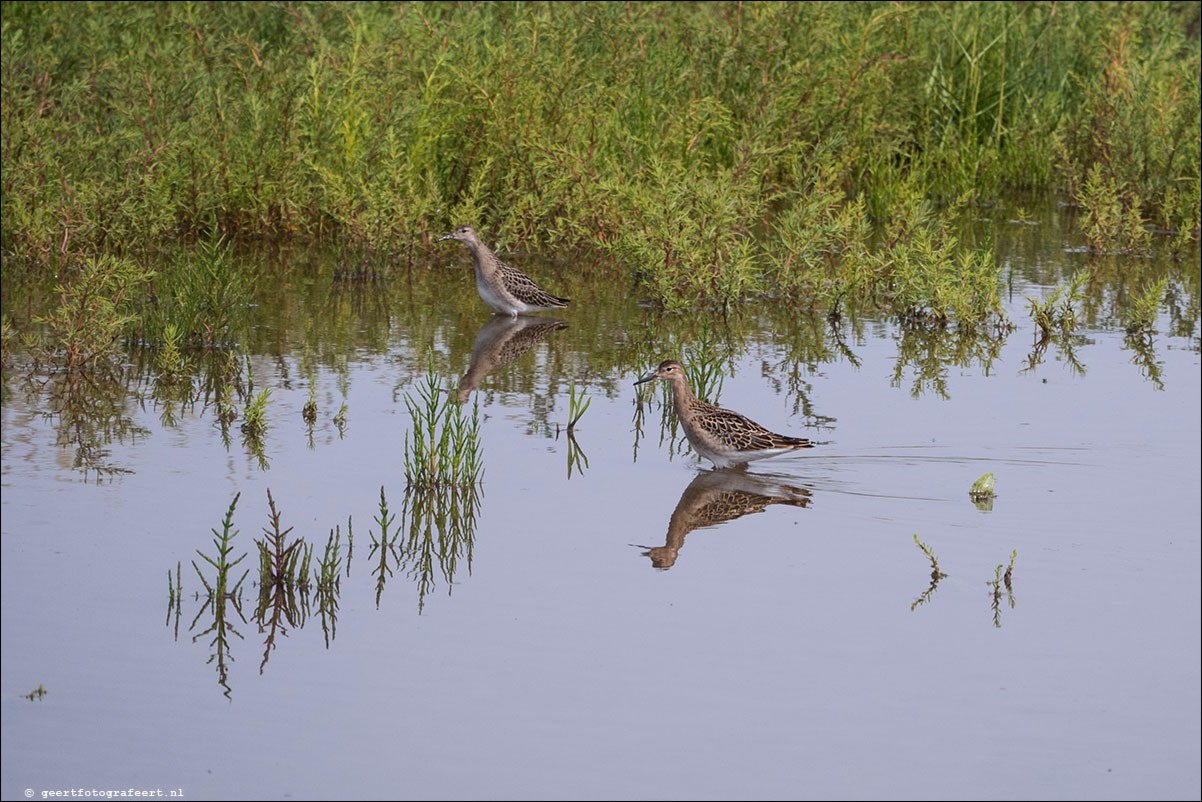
(630, 623)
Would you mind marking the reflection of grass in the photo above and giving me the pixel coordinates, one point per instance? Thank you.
(436, 535)
(281, 562)
(329, 583)
(929, 352)
(1143, 356)
(936, 574)
(221, 596)
(385, 546)
(330, 566)
(577, 406)
(577, 459)
(286, 588)
(440, 530)
(283, 582)
(1002, 577)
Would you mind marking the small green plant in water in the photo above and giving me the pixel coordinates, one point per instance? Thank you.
(982, 488)
(254, 422)
(577, 406)
(170, 361)
(1113, 218)
(223, 541)
(309, 412)
(280, 562)
(328, 576)
(1140, 315)
(1058, 312)
(443, 448)
(385, 546)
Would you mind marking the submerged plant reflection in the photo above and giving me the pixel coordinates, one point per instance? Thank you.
(283, 581)
(1143, 356)
(995, 585)
(221, 597)
(930, 350)
(440, 532)
(936, 574)
(384, 551)
(91, 411)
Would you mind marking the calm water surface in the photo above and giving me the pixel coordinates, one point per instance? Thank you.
(611, 618)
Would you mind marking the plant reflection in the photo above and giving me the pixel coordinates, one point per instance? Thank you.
(717, 496)
(221, 596)
(286, 589)
(383, 548)
(440, 532)
(1066, 345)
(577, 459)
(1143, 356)
(996, 584)
(91, 412)
(931, 350)
(936, 574)
(283, 582)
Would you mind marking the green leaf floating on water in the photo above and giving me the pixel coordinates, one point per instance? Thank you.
(982, 488)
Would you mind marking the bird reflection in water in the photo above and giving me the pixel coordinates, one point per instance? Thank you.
(717, 496)
(500, 341)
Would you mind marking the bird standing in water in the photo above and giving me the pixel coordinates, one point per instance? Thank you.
(723, 437)
(506, 289)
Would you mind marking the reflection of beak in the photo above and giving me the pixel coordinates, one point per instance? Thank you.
(448, 236)
(646, 378)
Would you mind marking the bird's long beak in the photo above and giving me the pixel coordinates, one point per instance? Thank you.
(647, 378)
(448, 236)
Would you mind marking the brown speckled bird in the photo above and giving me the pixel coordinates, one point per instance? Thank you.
(725, 438)
(506, 289)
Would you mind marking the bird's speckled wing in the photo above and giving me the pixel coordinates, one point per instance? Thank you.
(524, 288)
(740, 433)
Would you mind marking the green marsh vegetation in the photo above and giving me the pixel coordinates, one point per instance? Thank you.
(816, 153)
(288, 584)
(444, 468)
(442, 450)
